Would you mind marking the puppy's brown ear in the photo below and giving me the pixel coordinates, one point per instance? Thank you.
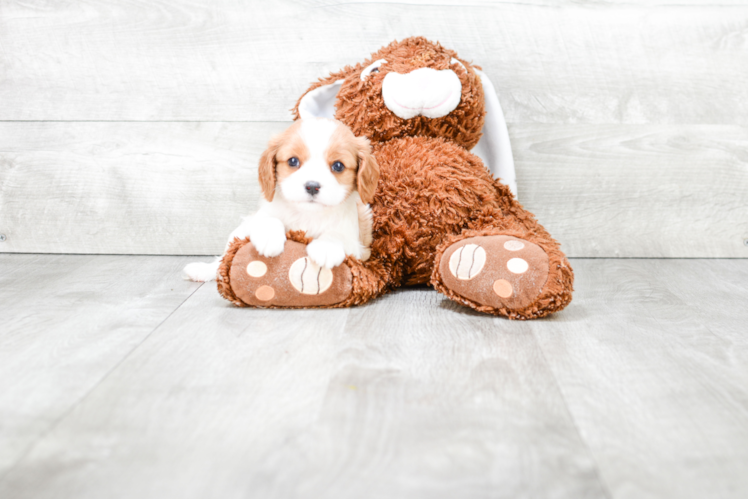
(266, 169)
(368, 170)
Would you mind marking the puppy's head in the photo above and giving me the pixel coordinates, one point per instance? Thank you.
(318, 163)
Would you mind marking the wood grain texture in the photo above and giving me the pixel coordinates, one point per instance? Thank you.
(638, 389)
(227, 60)
(180, 188)
(637, 191)
(127, 188)
(67, 321)
(652, 358)
(409, 396)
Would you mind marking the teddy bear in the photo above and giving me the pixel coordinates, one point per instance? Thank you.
(439, 216)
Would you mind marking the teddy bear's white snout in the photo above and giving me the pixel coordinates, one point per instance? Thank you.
(425, 91)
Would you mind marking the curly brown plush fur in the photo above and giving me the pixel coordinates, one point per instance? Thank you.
(432, 191)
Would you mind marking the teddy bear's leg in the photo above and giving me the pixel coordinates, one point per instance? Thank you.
(292, 279)
(505, 264)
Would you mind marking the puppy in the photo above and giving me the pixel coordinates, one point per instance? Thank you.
(316, 177)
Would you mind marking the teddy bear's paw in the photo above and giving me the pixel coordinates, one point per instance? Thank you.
(292, 279)
(501, 272)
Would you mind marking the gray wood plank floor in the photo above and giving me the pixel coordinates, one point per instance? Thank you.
(117, 378)
(67, 320)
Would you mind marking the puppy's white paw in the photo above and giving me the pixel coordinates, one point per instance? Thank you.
(326, 253)
(268, 235)
(201, 271)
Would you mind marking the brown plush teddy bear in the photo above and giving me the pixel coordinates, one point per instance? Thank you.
(439, 216)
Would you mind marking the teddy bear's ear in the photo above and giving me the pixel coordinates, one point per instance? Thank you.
(494, 147)
(319, 102)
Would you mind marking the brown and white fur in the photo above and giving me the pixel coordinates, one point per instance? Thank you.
(330, 206)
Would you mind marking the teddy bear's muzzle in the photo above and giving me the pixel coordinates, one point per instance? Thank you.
(424, 91)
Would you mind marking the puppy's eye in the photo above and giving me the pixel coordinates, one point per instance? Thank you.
(338, 166)
(293, 162)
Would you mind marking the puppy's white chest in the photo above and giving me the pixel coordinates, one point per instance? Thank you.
(313, 224)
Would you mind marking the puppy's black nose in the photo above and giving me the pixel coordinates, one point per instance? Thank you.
(312, 187)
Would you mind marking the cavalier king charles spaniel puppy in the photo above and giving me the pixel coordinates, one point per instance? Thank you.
(316, 177)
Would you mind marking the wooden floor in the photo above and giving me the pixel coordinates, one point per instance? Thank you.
(117, 378)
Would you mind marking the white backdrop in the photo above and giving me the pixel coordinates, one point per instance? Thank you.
(135, 126)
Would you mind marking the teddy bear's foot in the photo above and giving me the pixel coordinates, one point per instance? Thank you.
(497, 274)
(291, 279)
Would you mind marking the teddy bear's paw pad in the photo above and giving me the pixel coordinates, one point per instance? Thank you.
(467, 262)
(291, 279)
(495, 271)
(308, 278)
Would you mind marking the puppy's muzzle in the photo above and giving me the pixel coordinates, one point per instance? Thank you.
(312, 187)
